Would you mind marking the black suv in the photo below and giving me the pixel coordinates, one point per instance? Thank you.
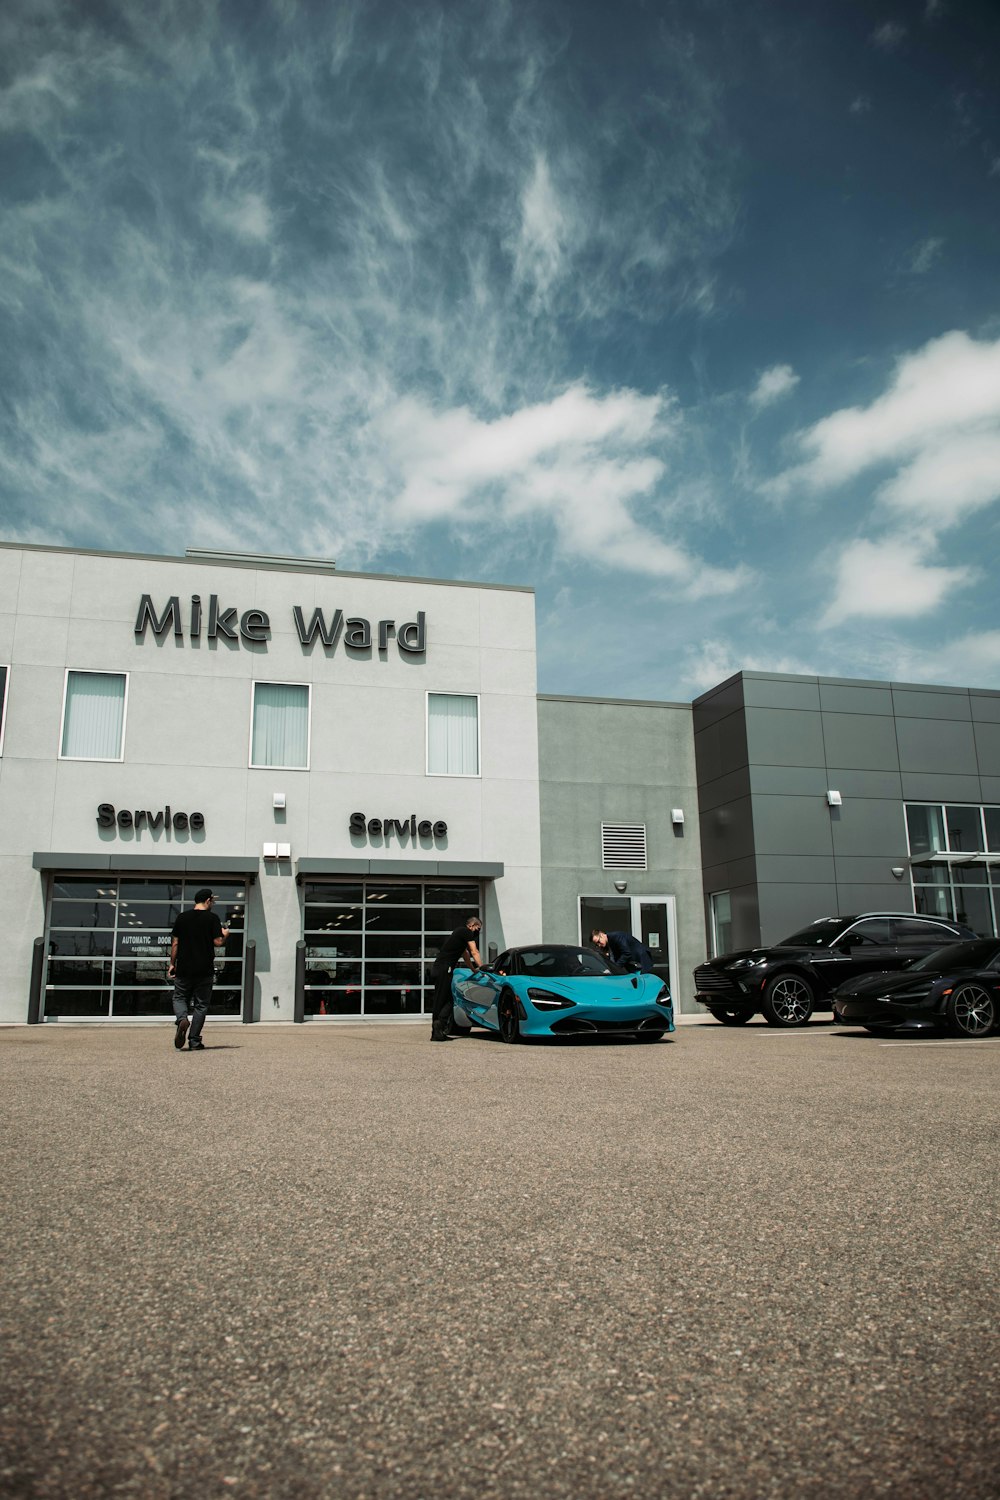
(788, 982)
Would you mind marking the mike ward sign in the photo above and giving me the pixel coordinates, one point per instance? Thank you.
(215, 621)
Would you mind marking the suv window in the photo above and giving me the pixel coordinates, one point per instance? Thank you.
(874, 930)
(914, 930)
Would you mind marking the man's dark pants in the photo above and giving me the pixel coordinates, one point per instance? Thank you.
(194, 995)
(444, 1005)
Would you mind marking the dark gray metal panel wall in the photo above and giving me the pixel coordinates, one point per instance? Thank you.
(792, 857)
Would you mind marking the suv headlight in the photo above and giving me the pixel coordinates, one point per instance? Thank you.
(545, 1000)
(747, 963)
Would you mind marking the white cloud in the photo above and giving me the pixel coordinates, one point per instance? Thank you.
(714, 660)
(579, 462)
(888, 579)
(774, 383)
(949, 481)
(947, 389)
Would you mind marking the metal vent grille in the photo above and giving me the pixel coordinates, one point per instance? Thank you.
(623, 846)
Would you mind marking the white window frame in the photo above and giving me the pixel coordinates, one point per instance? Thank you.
(460, 775)
(94, 672)
(280, 682)
(5, 666)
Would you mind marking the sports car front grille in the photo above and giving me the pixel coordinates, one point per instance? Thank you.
(580, 1024)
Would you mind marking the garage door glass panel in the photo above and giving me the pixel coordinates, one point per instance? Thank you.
(379, 968)
(108, 942)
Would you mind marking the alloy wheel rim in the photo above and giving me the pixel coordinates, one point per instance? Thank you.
(790, 1000)
(974, 1010)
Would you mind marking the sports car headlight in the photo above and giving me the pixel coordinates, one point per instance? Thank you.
(545, 1000)
(663, 998)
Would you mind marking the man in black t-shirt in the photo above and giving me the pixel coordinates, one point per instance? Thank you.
(193, 942)
(458, 948)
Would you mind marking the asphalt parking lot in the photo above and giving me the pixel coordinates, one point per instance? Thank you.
(331, 1261)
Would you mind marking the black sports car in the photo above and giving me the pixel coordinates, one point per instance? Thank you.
(956, 987)
(797, 976)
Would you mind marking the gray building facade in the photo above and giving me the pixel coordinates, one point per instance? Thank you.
(827, 796)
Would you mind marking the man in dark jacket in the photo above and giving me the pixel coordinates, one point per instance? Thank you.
(196, 935)
(458, 950)
(623, 949)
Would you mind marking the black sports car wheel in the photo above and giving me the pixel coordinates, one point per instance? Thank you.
(972, 1011)
(788, 1001)
(731, 1015)
(510, 1030)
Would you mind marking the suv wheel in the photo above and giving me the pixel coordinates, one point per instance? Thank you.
(788, 1001)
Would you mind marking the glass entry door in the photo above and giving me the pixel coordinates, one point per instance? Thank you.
(652, 919)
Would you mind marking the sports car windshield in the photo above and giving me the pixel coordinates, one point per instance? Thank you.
(975, 955)
(564, 963)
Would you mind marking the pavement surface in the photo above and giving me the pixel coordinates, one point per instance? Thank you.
(337, 1261)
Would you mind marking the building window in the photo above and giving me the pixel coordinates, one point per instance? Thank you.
(623, 846)
(950, 864)
(94, 716)
(280, 733)
(3, 702)
(452, 734)
(722, 923)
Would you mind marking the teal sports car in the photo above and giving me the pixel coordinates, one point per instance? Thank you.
(554, 990)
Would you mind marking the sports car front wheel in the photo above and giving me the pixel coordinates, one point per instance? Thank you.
(510, 1027)
(971, 1011)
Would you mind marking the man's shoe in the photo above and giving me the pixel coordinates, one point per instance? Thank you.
(196, 1046)
(180, 1032)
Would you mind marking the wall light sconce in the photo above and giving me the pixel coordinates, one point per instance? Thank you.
(284, 851)
(834, 798)
(676, 815)
(621, 886)
(279, 800)
(899, 871)
(270, 851)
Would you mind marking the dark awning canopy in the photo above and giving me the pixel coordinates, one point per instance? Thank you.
(184, 864)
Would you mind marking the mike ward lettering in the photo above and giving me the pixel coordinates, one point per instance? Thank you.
(326, 628)
(409, 827)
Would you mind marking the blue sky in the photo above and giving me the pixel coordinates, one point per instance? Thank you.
(685, 314)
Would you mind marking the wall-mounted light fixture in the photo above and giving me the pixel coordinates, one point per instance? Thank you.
(277, 851)
(899, 871)
(834, 798)
(270, 851)
(279, 800)
(621, 886)
(676, 815)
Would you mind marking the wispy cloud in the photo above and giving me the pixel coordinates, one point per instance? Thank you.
(889, 35)
(925, 255)
(240, 270)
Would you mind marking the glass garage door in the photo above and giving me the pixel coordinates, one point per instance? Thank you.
(369, 944)
(107, 943)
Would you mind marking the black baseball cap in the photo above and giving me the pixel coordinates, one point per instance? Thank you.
(205, 894)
